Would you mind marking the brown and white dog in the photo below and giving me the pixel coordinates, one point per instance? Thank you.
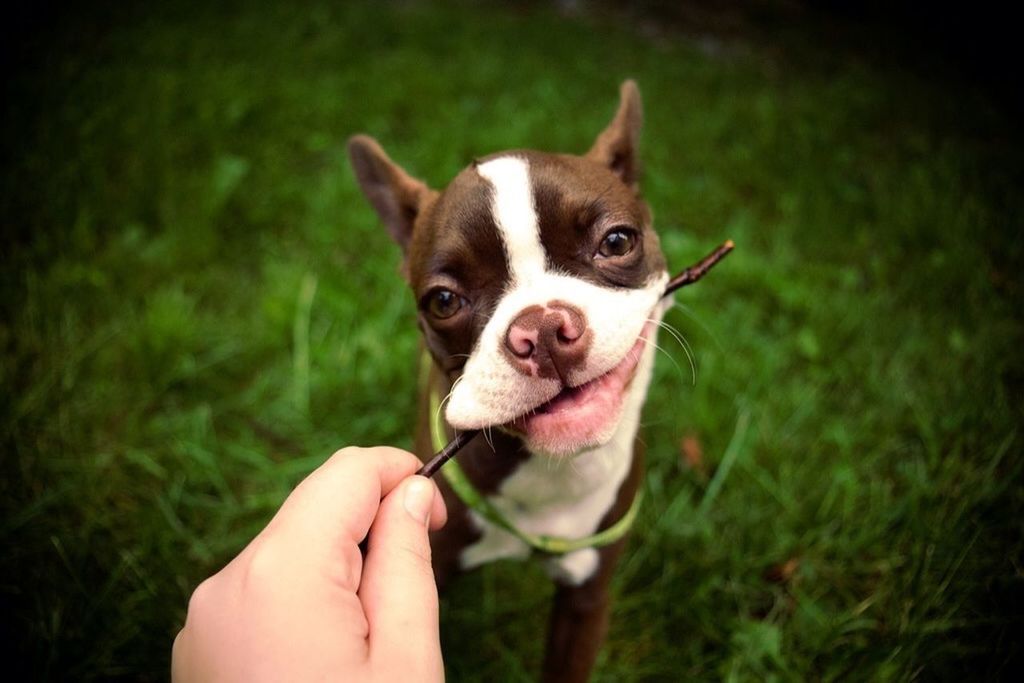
(539, 284)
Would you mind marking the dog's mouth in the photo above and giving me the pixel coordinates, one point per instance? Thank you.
(582, 416)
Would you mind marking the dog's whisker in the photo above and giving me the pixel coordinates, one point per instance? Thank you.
(688, 312)
(447, 397)
(681, 340)
(575, 467)
(671, 358)
(676, 334)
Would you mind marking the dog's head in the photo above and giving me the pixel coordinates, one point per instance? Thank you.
(538, 279)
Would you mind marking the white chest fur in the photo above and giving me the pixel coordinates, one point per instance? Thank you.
(565, 497)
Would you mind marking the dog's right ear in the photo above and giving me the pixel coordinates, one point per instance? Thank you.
(397, 196)
(616, 146)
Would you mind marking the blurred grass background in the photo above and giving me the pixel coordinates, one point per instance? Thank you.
(199, 307)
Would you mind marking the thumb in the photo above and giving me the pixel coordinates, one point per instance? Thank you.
(397, 590)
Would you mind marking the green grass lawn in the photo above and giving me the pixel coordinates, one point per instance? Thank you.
(199, 307)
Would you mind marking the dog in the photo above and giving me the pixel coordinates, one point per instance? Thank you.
(539, 286)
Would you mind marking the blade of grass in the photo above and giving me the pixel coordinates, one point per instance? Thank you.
(300, 339)
(732, 452)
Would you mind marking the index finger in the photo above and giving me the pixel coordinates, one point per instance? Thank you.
(339, 500)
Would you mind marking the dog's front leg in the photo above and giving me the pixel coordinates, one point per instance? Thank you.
(579, 621)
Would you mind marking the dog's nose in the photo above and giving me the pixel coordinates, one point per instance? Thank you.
(548, 341)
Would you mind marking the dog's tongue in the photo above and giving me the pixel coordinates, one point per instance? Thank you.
(583, 416)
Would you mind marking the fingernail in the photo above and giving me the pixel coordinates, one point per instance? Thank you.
(419, 495)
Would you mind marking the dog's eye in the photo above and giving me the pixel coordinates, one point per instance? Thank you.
(618, 242)
(444, 303)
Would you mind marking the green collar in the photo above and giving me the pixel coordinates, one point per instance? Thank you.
(479, 503)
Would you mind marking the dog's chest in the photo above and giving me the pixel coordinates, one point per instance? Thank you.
(566, 500)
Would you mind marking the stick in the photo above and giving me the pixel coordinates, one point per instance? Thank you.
(686, 277)
(699, 269)
(446, 453)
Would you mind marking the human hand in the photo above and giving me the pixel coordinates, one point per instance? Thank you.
(300, 603)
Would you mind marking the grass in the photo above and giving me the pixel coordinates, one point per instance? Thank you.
(199, 307)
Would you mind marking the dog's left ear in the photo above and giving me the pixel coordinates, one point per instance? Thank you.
(616, 146)
(396, 195)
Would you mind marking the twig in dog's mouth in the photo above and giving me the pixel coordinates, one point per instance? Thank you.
(687, 277)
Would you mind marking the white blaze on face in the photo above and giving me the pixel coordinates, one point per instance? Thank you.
(491, 391)
(514, 213)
